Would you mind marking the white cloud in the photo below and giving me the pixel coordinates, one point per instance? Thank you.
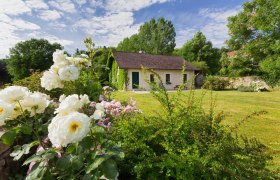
(36, 4)
(213, 25)
(49, 15)
(124, 5)
(13, 7)
(110, 29)
(81, 2)
(50, 38)
(183, 35)
(63, 5)
(216, 29)
(58, 25)
(117, 23)
(219, 15)
(10, 27)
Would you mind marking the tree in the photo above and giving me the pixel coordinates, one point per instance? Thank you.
(200, 49)
(4, 76)
(154, 37)
(33, 54)
(255, 35)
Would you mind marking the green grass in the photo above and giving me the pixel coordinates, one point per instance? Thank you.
(236, 105)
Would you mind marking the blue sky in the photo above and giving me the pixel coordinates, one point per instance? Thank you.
(109, 21)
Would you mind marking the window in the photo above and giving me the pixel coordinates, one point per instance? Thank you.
(167, 79)
(185, 78)
(152, 78)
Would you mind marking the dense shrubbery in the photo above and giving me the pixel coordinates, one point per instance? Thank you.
(243, 88)
(253, 87)
(215, 83)
(185, 142)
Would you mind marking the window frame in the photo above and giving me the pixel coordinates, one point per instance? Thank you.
(169, 78)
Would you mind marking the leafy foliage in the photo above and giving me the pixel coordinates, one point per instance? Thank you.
(215, 83)
(199, 49)
(185, 142)
(154, 37)
(33, 54)
(255, 36)
(118, 77)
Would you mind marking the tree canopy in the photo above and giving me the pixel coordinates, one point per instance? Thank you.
(255, 35)
(33, 54)
(199, 50)
(154, 37)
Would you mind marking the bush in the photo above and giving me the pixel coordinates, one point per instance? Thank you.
(33, 83)
(243, 88)
(253, 87)
(215, 83)
(185, 142)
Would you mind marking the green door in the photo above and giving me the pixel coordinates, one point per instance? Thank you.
(135, 80)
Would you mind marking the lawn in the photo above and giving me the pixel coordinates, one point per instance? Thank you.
(236, 105)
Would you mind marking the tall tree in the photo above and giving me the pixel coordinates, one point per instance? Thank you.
(255, 35)
(154, 37)
(199, 49)
(4, 76)
(33, 54)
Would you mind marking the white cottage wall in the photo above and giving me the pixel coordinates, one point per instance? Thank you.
(175, 78)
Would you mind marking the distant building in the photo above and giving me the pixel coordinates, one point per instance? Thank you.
(169, 68)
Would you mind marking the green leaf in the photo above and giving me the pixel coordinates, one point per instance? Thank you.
(37, 172)
(19, 151)
(110, 170)
(71, 148)
(90, 177)
(64, 161)
(49, 155)
(8, 137)
(26, 128)
(76, 162)
(87, 142)
(31, 159)
(96, 163)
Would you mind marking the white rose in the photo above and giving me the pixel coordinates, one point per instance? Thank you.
(68, 73)
(54, 69)
(68, 129)
(84, 99)
(50, 81)
(62, 97)
(79, 62)
(6, 111)
(59, 58)
(69, 104)
(100, 106)
(98, 114)
(13, 94)
(35, 103)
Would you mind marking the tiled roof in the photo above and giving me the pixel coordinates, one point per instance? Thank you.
(136, 60)
(231, 54)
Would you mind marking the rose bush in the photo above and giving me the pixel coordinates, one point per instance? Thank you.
(66, 137)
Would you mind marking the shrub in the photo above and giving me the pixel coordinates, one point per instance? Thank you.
(243, 88)
(215, 83)
(253, 87)
(185, 142)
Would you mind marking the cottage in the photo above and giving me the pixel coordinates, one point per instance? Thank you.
(127, 74)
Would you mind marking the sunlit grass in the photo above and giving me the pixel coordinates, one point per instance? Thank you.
(236, 105)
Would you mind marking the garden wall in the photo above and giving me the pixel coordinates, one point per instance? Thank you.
(246, 81)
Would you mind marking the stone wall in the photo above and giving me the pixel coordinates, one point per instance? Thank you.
(246, 81)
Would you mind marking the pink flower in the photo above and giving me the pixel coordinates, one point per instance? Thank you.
(93, 104)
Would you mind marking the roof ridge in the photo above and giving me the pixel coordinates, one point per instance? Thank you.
(149, 54)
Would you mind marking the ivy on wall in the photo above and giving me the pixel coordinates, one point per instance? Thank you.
(117, 77)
